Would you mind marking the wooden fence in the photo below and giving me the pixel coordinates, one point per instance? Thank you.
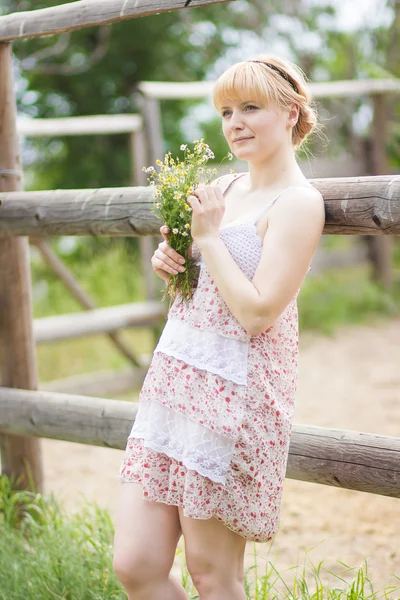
(349, 459)
(354, 205)
(85, 13)
(360, 205)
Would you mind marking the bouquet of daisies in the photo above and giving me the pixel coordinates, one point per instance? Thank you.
(173, 183)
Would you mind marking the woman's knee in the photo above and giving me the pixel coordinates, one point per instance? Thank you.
(138, 568)
(212, 562)
(202, 572)
(208, 571)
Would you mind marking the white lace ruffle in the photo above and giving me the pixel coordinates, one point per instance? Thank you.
(203, 349)
(181, 438)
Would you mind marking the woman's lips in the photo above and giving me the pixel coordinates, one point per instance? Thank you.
(239, 140)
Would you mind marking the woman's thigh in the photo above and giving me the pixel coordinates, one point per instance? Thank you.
(146, 534)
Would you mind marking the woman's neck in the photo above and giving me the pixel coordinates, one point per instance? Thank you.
(280, 171)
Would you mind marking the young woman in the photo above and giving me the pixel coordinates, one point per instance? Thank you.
(208, 450)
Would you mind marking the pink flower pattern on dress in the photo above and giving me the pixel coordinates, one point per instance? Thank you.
(254, 419)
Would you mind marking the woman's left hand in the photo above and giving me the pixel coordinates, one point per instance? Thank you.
(208, 205)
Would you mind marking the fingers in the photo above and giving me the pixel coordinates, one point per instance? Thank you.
(164, 230)
(169, 267)
(165, 257)
(218, 193)
(169, 255)
(208, 193)
(200, 194)
(167, 249)
(215, 193)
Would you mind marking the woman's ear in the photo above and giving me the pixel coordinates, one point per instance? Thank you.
(293, 114)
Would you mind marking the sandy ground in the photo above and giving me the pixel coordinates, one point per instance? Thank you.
(349, 381)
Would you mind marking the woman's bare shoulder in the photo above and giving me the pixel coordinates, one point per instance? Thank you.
(298, 204)
(299, 196)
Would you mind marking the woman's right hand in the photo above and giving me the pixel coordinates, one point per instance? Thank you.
(165, 260)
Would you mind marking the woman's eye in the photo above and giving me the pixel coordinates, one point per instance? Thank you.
(225, 113)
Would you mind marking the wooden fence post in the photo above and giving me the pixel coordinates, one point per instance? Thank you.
(17, 348)
(147, 243)
(151, 150)
(380, 248)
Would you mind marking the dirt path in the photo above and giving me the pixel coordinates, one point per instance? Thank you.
(350, 381)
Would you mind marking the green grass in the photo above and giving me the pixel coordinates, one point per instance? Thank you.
(48, 554)
(341, 297)
(107, 269)
(45, 553)
(93, 353)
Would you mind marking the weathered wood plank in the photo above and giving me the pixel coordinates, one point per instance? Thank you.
(354, 205)
(88, 125)
(179, 90)
(17, 347)
(349, 459)
(85, 13)
(107, 211)
(98, 320)
(151, 116)
(80, 419)
(381, 248)
(361, 205)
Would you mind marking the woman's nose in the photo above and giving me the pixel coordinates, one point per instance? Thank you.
(236, 120)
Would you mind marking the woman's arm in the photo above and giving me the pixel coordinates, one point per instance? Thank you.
(295, 225)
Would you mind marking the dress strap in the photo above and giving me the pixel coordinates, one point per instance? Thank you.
(235, 177)
(272, 202)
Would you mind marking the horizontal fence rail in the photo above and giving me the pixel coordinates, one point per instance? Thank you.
(349, 459)
(98, 320)
(85, 13)
(354, 205)
(179, 90)
(88, 125)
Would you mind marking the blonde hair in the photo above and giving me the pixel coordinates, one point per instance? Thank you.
(265, 79)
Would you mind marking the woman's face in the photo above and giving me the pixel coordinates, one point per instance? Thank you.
(255, 132)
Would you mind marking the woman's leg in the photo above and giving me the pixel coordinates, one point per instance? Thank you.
(214, 557)
(145, 541)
